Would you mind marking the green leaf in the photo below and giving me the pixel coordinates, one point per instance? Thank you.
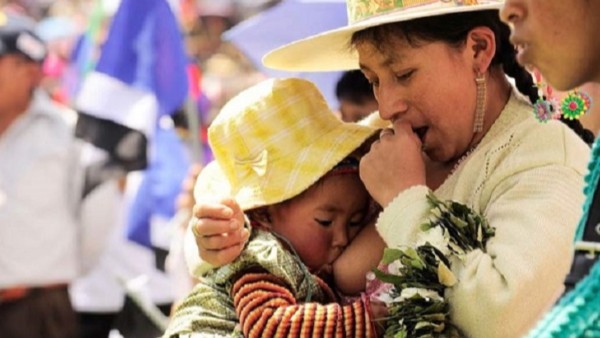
(390, 255)
(427, 268)
(388, 278)
(401, 334)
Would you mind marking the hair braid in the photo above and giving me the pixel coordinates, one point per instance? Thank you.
(453, 29)
(508, 59)
(526, 86)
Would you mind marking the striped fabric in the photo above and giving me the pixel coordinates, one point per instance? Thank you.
(267, 308)
(266, 292)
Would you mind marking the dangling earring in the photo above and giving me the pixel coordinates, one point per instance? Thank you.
(480, 103)
(546, 107)
(575, 104)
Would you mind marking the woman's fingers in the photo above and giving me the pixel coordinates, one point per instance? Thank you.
(219, 231)
(222, 240)
(221, 257)
(215, 210)
(222, 247)
(393, 164)
(386, 132)
(206, 227)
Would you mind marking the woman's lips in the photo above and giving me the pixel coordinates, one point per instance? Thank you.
(523, 55)
(421, 132)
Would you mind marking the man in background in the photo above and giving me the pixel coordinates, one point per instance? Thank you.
(355, 96)
(50, 232)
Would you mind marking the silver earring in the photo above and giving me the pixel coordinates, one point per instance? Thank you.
(480, 103)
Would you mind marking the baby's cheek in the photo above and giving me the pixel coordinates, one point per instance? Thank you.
(316, 250)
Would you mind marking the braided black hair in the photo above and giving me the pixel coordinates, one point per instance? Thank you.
(453, 29)
(526, 86)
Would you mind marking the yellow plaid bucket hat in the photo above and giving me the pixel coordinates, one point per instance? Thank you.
(275, 139)
(211, 182)
(331, 50)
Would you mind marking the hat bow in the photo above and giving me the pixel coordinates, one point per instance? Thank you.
(256, 164)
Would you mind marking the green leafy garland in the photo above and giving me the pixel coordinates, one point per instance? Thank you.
(419, 308)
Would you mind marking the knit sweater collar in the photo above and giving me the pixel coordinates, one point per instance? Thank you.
(513, 113)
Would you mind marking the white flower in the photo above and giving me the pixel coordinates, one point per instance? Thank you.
(383, 297)
(436, 238)
(424, 293)
(394, 267)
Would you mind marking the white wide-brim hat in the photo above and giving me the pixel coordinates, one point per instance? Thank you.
(331, 50)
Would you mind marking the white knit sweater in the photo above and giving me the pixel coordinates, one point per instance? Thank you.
(526, 179)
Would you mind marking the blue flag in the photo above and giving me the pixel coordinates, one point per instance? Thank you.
(145, 49)
(140, 78)
(154, 203)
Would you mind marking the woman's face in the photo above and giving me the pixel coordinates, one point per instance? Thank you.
(320, 223)
(558, 37)
(431, 87)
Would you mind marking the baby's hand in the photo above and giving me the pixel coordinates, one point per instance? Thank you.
(219, 231)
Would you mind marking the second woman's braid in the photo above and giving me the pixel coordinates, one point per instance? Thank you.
(525, 84)
(586, 135)
(508, 59)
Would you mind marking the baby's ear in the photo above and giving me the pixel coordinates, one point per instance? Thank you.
(260, 218)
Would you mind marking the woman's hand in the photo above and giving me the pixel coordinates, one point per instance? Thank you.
(379, 312)
(219, 231)
(394, 163)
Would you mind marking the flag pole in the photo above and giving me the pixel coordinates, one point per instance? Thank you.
(191, 112)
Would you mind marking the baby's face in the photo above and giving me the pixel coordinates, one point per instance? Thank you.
(321, 222)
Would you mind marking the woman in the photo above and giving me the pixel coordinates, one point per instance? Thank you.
(460, 132)
(568, 57)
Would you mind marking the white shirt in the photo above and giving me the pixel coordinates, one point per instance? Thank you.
(102, 290)
(47, 233)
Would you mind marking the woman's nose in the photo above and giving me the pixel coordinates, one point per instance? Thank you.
(392, 104)
(513, 11)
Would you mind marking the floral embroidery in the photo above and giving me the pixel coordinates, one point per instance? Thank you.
(363, 9)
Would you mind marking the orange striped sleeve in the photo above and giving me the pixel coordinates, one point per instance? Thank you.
(267, 308)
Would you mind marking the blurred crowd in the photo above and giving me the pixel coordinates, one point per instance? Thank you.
(116, 286)
(96, 281)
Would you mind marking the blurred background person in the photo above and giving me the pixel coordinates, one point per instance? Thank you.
(355, 96)
(51, 230)
(75, 32)
(128, 292)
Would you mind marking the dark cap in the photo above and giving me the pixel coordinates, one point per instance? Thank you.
(17, 37)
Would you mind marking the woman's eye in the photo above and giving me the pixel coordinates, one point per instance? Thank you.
(323, 222)
(373, 83)
(405, 76)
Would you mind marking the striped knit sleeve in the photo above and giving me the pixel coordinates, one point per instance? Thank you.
(266, 307)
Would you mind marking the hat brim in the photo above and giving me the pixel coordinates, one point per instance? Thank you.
(331, 50)
(211, 182)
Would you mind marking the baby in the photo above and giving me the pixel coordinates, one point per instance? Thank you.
(292, 166)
